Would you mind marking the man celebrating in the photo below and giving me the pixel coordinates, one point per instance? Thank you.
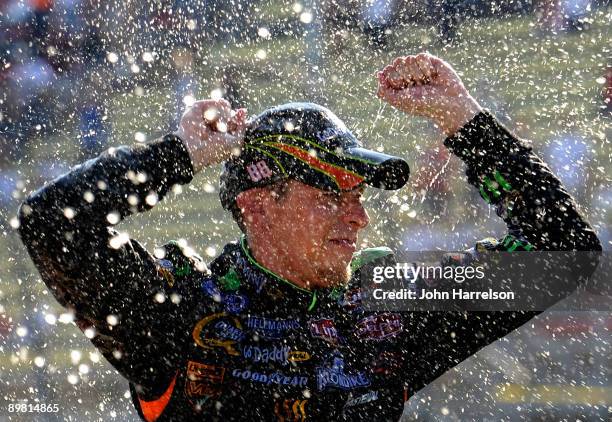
(273, 328)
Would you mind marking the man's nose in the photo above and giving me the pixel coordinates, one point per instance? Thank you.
(355, 214)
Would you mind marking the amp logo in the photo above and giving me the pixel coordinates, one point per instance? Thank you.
(258, 171)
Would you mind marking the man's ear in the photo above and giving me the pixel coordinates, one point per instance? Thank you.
(253, 204)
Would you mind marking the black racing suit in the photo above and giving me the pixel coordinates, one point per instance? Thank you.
(233, 341)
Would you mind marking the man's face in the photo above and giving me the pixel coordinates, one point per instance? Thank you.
(315, 231)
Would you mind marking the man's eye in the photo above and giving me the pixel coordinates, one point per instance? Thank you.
(330, 198)
(329, 194)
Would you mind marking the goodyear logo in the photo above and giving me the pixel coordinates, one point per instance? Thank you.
(276, 378)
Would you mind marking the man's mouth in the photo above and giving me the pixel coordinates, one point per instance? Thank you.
(345, 242)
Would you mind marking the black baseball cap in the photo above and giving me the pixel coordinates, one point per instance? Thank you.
(308, 143)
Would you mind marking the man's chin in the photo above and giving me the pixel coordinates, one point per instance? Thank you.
(334, 276)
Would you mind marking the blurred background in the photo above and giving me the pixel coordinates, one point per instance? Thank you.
(79, 76)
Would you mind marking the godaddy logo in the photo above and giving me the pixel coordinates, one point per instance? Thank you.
(266, 354)
(281, 354)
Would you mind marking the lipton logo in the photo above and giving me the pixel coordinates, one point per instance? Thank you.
(378, 327)
(325, 329)
(219, 330)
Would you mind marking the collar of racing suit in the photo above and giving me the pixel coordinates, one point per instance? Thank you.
(236, 267)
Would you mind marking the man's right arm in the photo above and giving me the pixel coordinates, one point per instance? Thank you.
(106, 279)
(109, 281)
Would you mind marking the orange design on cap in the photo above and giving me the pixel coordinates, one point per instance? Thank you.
(345, 179)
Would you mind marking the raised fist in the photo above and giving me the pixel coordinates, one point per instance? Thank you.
(424, 85)
(212, 131)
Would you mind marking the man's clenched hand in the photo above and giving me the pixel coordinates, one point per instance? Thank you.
(212, 131)
(424, 85)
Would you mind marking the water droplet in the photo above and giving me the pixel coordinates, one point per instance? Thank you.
(263, 33)
(69, 213)
(90, 332)
(147, 57)
(140, 137)
(189, 100)
(113, 217)
(306, 17)
(75, 356)
(151, 199)
(112, 320)
(66, 318)
(211, 113)
(119, 240)
(112, 57)
(94, 357)
(88, 196)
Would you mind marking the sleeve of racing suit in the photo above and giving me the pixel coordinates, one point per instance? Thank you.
(530, 199)
(109, 281)
(540, 215)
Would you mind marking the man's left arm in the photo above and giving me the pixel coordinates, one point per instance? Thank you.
(539, 212)
(540, 215)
